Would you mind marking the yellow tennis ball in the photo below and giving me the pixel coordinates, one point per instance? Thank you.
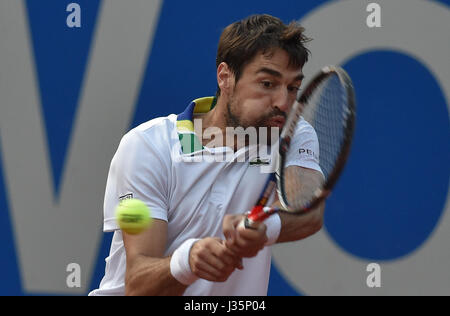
(133, 216)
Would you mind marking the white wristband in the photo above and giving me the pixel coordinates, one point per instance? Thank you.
(273, 224)
(179, 263)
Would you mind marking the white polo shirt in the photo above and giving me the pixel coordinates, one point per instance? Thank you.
(163, 163)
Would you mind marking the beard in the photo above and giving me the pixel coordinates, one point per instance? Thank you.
(235, 120)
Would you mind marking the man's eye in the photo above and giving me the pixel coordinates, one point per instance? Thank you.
(267, 84)
(293, 89)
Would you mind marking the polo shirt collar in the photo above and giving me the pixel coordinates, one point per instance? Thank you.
(189, 141)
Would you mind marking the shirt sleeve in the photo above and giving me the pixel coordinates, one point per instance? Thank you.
(139, 171)
(304, 149)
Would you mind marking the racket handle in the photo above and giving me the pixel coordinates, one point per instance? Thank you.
(257, 215)
(248, 223)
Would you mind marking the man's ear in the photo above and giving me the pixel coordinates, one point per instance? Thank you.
(225, 78)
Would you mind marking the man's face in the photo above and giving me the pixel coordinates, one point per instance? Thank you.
(265, 92)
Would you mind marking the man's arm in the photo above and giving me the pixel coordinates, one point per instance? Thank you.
(296, 227)
(248, 242)
(149, 273)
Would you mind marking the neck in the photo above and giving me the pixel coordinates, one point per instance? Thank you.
(214, 126)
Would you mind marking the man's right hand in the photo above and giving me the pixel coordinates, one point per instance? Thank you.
(210, 259)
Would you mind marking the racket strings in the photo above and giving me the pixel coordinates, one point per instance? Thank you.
(327, 112)
(329, 107)
(300, 186)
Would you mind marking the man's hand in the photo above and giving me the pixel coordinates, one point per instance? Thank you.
(243, 242)
(211, 260)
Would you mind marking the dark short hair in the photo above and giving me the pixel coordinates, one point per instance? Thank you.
(242, 40)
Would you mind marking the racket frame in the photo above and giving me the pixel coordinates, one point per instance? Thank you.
(260, 211)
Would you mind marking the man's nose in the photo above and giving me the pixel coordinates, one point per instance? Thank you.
(281, 100)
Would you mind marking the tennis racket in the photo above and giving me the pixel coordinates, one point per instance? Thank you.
(328, 105)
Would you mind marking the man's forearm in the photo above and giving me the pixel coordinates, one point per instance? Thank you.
(151, 276)
(296, 227)
(303, 183)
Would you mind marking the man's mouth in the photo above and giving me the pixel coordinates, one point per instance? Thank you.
(276, 121)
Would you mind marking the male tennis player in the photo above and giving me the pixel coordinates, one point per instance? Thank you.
(195, 246)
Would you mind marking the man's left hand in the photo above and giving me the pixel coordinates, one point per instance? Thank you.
(244, 242)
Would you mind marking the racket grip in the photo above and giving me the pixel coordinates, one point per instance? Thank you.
(257, 215)
(248, 223)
